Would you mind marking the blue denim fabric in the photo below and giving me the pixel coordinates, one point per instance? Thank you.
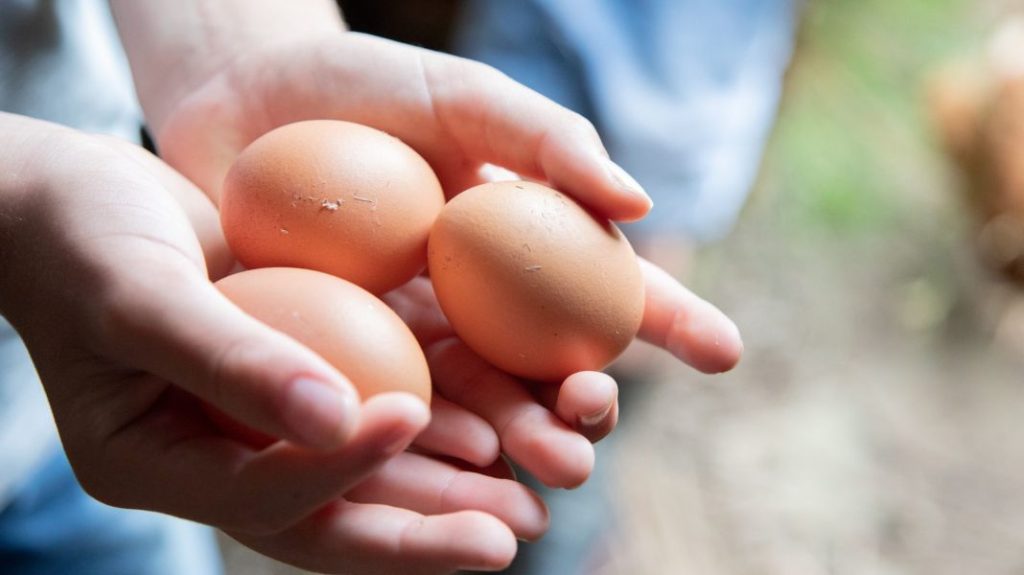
(52, 527)
(684, 92)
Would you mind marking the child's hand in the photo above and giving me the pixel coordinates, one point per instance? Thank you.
(547, 428)
(460, 115)
(104, 277)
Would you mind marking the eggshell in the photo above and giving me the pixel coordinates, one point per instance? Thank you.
(533, 282)
(333, 196)
(349, 327)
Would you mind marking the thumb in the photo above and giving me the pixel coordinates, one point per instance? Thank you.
(178, 326)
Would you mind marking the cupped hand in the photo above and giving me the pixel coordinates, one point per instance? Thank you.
(548, 428)
(464, 118)
(460, 115)
(105, 278)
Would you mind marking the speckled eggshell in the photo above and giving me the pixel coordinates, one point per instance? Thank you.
(350, 328)
(338, 197)
(533, 282)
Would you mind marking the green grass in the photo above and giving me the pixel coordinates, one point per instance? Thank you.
(852, 148)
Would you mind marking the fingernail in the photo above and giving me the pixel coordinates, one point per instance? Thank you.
(596, 417)
(708, 341)
(318, 412)
(626, 182)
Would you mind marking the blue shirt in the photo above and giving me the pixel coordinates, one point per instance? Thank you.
(60, 60)
(684, 92)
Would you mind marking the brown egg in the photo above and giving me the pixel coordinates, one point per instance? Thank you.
(349, 327)
(333, 196)
(533, 282)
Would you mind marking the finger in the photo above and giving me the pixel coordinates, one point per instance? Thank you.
(460, 177)
(211, 479)
(291, 482)
(531, 435)
(365, 538)
(432, 487)
(417, 305)
(426, 485)
(687, 326)
(459, 114)
(457, 432)
(588, 401)
(497, 120)
(501, 469)
(256, 375)
(492, 173)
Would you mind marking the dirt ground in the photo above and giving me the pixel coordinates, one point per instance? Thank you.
(874, 425)
(872, 428)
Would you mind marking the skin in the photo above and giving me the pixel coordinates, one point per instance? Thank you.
(106, 257)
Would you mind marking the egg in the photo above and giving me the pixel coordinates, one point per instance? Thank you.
(533, 282)
(346, 325)
(332, 196)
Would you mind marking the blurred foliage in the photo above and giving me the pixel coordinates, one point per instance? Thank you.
(852, 151)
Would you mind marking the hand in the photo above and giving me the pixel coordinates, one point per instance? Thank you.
(479, 410)
(104, 277)
(460, 115)
(463, 117)
(546, 428)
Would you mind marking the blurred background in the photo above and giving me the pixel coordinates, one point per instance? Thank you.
(874, 425)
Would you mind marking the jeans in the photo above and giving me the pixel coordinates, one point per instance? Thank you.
(52, 527)
(683, 92)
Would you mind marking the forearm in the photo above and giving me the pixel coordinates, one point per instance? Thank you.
(174, 47)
